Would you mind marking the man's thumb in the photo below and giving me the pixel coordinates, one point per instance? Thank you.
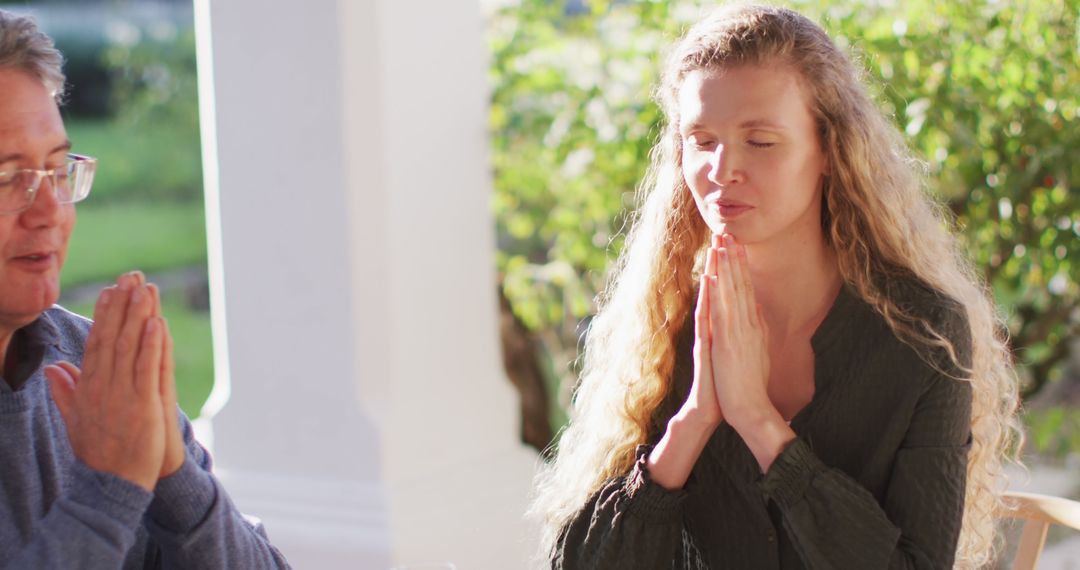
(62, 386)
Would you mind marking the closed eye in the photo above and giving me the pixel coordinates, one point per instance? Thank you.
(757, 144)
(700, 143)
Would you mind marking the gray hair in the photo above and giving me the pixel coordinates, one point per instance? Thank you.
(25, 47)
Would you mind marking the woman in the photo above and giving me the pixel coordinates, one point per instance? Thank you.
(794, 366)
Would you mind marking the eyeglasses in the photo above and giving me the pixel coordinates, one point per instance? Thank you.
(71, 182)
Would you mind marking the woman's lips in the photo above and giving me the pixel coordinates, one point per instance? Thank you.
(730, 210)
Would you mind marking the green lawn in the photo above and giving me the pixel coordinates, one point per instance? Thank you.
(194, 350)
(141, 161)
(115, 238)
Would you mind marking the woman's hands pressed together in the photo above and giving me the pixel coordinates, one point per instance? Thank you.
(739, 350)
(120, 408)
(731, 372)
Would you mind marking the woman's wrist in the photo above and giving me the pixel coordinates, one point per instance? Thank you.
(765, 433)
(674, 456)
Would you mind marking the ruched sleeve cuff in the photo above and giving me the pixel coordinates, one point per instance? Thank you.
(648, 500)
(791, 473)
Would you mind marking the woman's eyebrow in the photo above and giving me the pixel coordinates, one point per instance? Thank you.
(747, 124)
(761, 123)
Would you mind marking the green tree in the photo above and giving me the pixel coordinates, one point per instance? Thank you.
(986, 93)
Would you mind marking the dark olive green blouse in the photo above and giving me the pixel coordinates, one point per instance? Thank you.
(874, 480)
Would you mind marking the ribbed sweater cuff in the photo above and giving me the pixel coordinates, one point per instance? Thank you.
(791, 473)
(646, 499)
(183, 499)
(113, 496)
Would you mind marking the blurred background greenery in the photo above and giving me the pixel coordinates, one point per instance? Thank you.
(986, 92)
(132, 103)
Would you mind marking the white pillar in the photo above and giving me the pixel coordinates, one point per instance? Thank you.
(369, 422)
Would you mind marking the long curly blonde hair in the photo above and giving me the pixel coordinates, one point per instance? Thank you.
(876, 216)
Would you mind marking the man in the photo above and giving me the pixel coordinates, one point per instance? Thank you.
(98, 469)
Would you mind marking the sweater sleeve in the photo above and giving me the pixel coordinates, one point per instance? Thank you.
(90, 526)
(631, 523)
(836, 523)
(195, 524)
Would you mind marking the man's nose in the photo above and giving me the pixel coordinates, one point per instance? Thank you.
(44, 210)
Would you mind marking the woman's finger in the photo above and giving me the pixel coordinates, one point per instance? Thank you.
(761, 322)
(740, 304)
(728, 296)
(750, 298)
(717, 308)
(703, 378)
(701, 317)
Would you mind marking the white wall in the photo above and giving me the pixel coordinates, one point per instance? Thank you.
(367, 419)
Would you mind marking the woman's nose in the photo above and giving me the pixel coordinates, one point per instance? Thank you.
(722, 167)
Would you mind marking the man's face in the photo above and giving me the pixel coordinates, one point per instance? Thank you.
(33, 243)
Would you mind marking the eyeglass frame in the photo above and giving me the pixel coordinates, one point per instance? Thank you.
(71, 159)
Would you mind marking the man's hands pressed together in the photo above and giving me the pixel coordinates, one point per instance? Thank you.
(120, 409)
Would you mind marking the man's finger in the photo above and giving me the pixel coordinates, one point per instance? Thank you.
(62, 387)
(90, 350)
(129, 341)
(102, 354)
(168, 367)
(147, 365)
(72, 371)
(155, 303)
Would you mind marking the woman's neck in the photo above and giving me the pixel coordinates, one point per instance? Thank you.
(796, 279)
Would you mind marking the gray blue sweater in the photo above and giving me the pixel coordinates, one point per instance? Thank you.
(56, 512)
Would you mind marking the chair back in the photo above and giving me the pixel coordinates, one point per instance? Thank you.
(1039, 512)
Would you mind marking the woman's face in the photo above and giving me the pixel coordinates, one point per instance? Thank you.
(751, 155)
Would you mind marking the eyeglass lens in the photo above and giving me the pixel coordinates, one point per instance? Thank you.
(18, 189)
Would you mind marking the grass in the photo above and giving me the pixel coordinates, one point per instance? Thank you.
(114, 238)
(140, 160)
(194, 350)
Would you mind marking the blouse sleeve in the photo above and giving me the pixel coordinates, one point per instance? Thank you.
(836, 523)
(631, 523)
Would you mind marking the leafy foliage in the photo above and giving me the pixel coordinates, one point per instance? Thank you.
(986, 93)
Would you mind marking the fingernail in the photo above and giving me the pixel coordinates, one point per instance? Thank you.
(151, 327)
(137, 296)
(104, 297)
